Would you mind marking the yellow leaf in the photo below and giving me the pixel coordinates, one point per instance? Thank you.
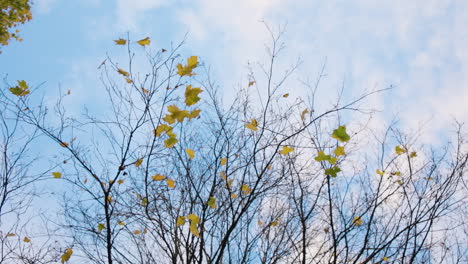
(286, 95)
(191, 95)
(120, 41)
(385, 259)
(400, 182)
(229, 183)
(251, 83)
(233, 195)
(399, 150)
(180, 221)
(259, 222)
(379, 172)
(170, 142)
(158, 177)
(304, 113)
(194, 114)
(192, 63)
(144, 201)
(190, 153)
(66, 256)
(109, 199)
(339, 151)
(124, 73)
(395, 173)
(120, 223)
(144, 90)
(175, 113)
(138, 163)
(269, 167)
(26, 240)
(357, 221)
(274, 223)
(120, 181)
(111, 181)
(212, 202)
(137, 232)
(170, 183)
(223, 175)
(193, 218)
(286, 150)
(101, 227)
(144, 42)
(11, 235)
(128, 80)
(194, 230)
(246, 189)
(252, 125)
(413, 154)
(57, 175)
(22, 89)
(64, 144)
(223, 161)
(161, 129)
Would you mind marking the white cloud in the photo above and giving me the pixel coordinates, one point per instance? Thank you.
(130, 12)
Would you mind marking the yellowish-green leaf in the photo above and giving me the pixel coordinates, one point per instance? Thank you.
(379, 172)
(22, 89)
(170, 183)
(162, 128)
(26, 240)
(332, 160)
(245, 189)
(120, 223)
(124, 73)
(190, 153)
(66, 255)
(186, 70)
(399, 150)
(413, 154)
(223, 175)
(180, 221)
(385, 259)
(340, 134)
(193, 218)
(321, 156)
(144, 201)
(175, 113)
(339, 151)
(229, 183)
(251, 83)
(144, 42)
(357, 221)
(274, 223)
(57, 175)
(191, 95)
(332, 172)
(194, 114)
(101, 227)
(233, 196)
(158, 177)
(194, 230)
(170, 142)
(252, 125)
(286, 150)
(120, 41)
(223, 161)
(212, 202)
(138, 163)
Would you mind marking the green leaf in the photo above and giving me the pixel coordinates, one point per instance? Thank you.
(321, 156)
(332, 172)
(340, 134)
(339, 151)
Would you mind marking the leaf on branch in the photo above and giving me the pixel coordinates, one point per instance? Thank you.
(64, 144)
(186, 70)
(194, 220)
(101, 227)
(286, 150)
(212, 202)
(340, 134)
(170, 142)
(138, 163)
(137, 232)
(180, 220)
(158, 177)
(26, 240)
(190, 153)
(339, 151)
(251, 83)
(161, 129)
(233, 196)
(66, 256)
(357, 221)
(120, 41)
(120, 181)
(124, 73)
(399, 150)
(379, 172)
(333, 171)
(252, 125)
(223, 175)
(170, 183)
(304, 113)
(413, 154)
(10, 235)
(286, 95)
(223, 161)
(191, 95)
(22, 89)
(144, 42)
(57, 175)
(246, 189)
(321, 156)
(120, 223)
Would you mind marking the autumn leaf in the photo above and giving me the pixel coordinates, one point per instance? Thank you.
(170, 142)
(120, 181)
(137, 232)
(101, 227)
(144, 90)
(170, 183)
(259, 222)
(190, 153)
(286, 95)
(138, 163)
(64, 144)
(321, 156)
(144, 42)
(233, 196)
(340, 134)
(120, 41)
(274, 223)
(333, 171)
(212, 202)
(385, 259)
(186, 70)
(57, 175)
(22, 89)
(66, 256)
(120, 223)
(399, 150)
(379, 172)
(304, 113)
(223, 161)
(161, 129)
(124, 73)
(286, 150)
(11, 235)
(357, 221)
(339, 151)
(194, 114)
(252, 125)
(26, 240)
(158, 177)
(128, 80)
(251, 83)
(246, 189)
(180, 220)
(223, 175)
(194, 220)
(229, 183)
(395, 173)
(175, 114)
(191, 95)
(413, 154)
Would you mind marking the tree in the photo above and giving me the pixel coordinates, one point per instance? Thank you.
(13, 13)
(170, 174)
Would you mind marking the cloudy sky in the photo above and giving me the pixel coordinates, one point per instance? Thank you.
(418, 46)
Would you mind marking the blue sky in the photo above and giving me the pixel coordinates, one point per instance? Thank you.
(418, 46)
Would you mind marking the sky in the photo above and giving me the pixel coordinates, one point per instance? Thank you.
(418, 47)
